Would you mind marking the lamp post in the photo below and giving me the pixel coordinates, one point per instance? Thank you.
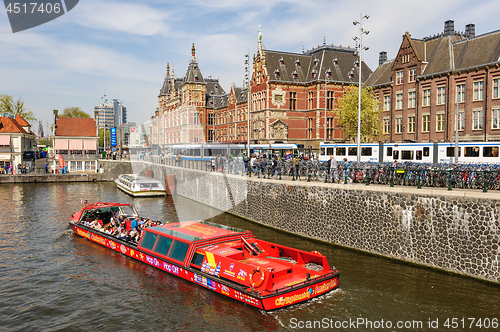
(247, 63)
(360, 49)
(456, 133)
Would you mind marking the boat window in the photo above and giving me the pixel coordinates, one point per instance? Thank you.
(490, 151)
(148, 240)
(471, 151)
(197, 259)
(163, 245)
(340, 151)
(128, 210)
(179, 251)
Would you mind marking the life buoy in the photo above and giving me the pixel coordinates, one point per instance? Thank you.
(253, 283)
(316, 252)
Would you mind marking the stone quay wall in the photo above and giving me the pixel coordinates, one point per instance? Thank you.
(455, 231)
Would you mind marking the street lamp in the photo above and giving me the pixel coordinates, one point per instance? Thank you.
(247, 83)
(328, 73)
(360, 49)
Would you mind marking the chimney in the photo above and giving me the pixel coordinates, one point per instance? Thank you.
(449, 27)
(382, 58)
(470, 30)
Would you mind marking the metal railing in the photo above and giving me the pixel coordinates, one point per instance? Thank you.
(478, 177)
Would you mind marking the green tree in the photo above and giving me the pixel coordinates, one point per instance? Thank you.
(348, 114)
(101, 137)
(74, 112)
(7, 104)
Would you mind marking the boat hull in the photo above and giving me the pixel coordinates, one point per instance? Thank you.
(148, 193)
(279, 300)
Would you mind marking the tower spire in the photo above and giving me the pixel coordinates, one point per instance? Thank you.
(168, 69)
(193, 58)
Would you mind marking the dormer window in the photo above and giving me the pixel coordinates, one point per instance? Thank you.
(295, 75)
(277, 73)
(336, 62)
(314, 73)
(316, 61)
(281, 61)
(351, 75)
(297, 62)
(196, 78)
(329, 73)
(216, 87)
(356, 64)
(211, 93)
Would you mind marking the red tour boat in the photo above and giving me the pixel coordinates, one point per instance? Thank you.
(227, 260)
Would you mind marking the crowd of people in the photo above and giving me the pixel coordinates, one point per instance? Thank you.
(11, 169)
(123, 228)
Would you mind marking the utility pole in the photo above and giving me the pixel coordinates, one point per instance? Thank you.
(360, 49)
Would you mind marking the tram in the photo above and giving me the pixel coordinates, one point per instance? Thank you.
(208, 151)
(468, 152)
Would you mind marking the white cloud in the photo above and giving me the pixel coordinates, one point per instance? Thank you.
(133, 18)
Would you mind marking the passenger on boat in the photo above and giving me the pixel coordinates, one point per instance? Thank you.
(123, 235)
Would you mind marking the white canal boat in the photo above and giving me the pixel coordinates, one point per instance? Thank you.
(140, 186)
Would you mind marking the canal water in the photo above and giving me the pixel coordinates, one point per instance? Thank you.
(52, 280)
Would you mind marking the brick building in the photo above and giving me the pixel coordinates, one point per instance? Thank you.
(419, 89)
(292, 98)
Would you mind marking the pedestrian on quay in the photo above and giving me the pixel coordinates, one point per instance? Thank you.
(263, 166)
(345, 170)
(274, 166)
(246, 160)
(332, 167)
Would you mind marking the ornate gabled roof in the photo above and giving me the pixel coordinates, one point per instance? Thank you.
(213, 87)
(216, 102)
(445, 52)
(193, 73)
(335, 62)
(167, 83)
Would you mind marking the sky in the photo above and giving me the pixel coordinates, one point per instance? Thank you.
(120, 48)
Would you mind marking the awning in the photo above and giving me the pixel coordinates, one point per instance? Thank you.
(61, 144)
(90, 144)
(5, 140)
(5, 156)
(75, 144)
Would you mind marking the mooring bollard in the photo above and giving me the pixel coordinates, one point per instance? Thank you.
(308, 175)
(418, 180)
(392, 178)
(449, 181)
(368, 178)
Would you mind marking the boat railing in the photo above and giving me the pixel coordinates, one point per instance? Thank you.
(305, 282)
